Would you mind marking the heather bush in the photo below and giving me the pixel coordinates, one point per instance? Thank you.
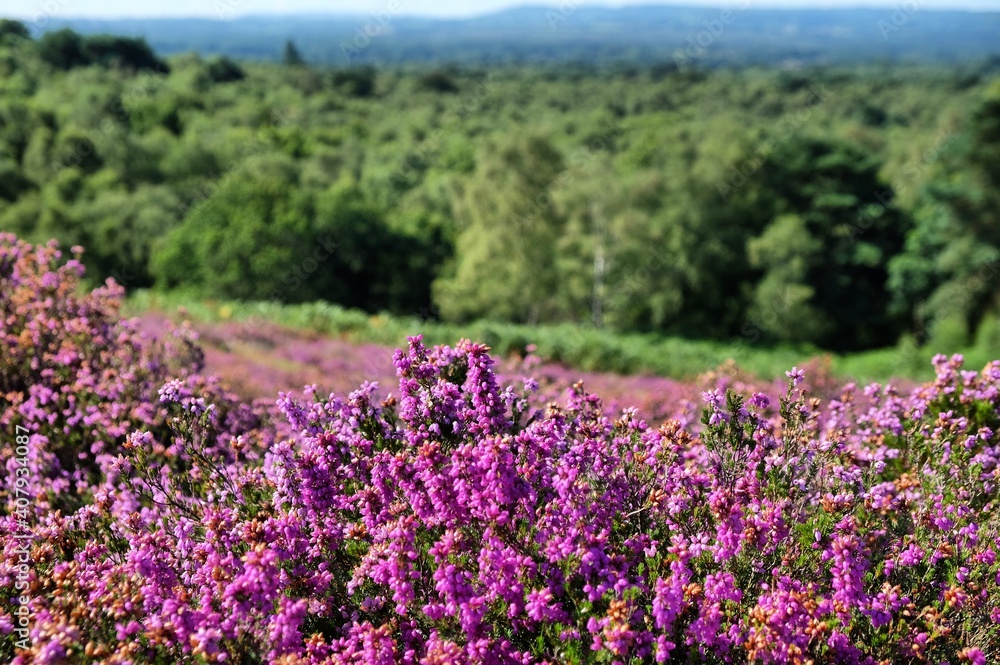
(79, 378)
(461, 520)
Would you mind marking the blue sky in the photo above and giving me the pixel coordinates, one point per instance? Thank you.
(207, 8)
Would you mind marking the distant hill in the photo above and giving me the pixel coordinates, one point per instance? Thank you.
(686, 35)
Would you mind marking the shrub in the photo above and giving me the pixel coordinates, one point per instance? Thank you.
(223, 70)
(458, 522)
(77, 378)
(65, 49)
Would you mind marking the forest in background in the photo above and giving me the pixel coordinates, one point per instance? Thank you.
(837, 207)
(735, 32)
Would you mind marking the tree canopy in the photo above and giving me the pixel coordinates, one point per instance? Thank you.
(830, 207)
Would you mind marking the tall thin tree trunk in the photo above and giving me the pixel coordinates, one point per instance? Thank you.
(597, 304)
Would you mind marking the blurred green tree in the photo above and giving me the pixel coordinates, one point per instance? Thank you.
(505, 265)
(830, 229)
(950, 269)
(11, 28)
(63, 49)
(290, 55)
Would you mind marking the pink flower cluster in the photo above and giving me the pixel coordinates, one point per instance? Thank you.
(461, 521)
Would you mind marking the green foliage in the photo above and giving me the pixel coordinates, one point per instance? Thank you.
(291, 56)
(832, 208)
(259, 236)
(508, 205)
(950, 269)
(223, 70)
(823, 254)
(130, 53)
(438, 81)
(354, 81)
(16, 29)
(373, 268)
(13, 184)
(73, 148)
(240, 242)
(783, 298)
(65, 49)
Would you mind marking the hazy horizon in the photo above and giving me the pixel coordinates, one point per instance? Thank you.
(34, 10)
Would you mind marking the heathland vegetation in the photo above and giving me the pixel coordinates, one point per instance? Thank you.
(641, 216)
(153, 517)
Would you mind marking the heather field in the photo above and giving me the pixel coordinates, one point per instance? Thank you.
(258, 359)
(582, 347)
(463, 512)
